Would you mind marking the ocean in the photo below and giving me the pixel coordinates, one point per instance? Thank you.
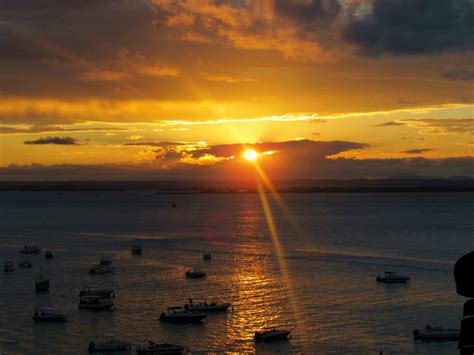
(309, 264)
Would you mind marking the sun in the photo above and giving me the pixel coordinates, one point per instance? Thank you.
(250, 155)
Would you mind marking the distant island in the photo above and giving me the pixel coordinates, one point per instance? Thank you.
(395, 184)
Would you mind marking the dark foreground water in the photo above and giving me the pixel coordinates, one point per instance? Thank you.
(323, 287)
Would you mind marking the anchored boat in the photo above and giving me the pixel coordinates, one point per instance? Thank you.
(43, 314)
(180, 315)
(271, 335)
(96, 303)
(195, 274)
(8, 266)
(104, 293)
(391, 277)
(436, 334)
(30, 249)
(205, 306)
(152, 348)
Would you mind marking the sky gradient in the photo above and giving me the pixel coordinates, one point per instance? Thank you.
(163, 89)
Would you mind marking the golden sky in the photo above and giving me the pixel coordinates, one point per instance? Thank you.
(172, 89)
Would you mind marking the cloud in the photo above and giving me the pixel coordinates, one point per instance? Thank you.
(417, 151)
(103, 75)
(225, 78)
(135, 137)
(155, 143)
(463, 74)
(413, 27)
(442, 125)
(22, 129)
(54, 140)
(390, 124)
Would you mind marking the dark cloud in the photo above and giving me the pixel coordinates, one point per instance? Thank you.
(459, 74)
(414, 27)
(390, 124)
(442, 125)
(417, 151)
(54, 140)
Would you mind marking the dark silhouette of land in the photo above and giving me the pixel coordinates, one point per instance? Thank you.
(455, 184)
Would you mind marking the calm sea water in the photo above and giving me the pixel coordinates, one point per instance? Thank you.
(322, 286)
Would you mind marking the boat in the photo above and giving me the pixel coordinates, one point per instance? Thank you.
(30, 249)
(96, 303)
(8, 266)
(49, 254)
(195, 274)
(272, 334)
(43, 314)
(136, 249)
(436, 334)
(105, 260)
(152, 348)
(109, 344)
(41, 284)
(25, 263)
(180, 315)
(391, 277)
(104, 293)
(205, 306)
(207, 255)
(101, 269)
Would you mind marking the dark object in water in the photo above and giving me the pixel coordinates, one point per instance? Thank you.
(153, 348)
(180, 316)
(272, 335)
(30, 249)
(436, 334)
(136, 249)
(195, 274)
(464, 275)
(41, 284)
(49, 254)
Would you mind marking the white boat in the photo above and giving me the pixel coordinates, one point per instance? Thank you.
(25, 263)
(136, 249)
(207, 255)
(195, 274)
(101, 269)
(436, 334)
(49, 254)
(180, 315)
(105, 260)
(96, 303)
(207, 306)
(391, 278)
(104, 293)
(152, 348)
(271, 335)
(8, 266)
(108, 344)
(30, 249)
(43, 314)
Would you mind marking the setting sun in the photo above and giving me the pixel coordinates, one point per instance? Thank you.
(250, 155)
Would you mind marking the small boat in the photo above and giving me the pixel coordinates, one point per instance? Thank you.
(25, 263)
(43, 314)
(41, 284)
(109, 344)
(271, 335)
(101, 269)
(152, 348)
(105, 260)
(136, 249)
(96, 303)
(436, 334)
(30, 249)
(180, 315)
(195, 274)
(207, 255)
(205, 306)
(391, 277)
(49, 254)
(104, 293)
(8, 266)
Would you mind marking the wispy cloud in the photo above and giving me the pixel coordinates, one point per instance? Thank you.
(417, 151)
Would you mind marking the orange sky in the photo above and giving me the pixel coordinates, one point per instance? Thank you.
(157, 85)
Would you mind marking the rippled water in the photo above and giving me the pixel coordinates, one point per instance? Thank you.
(322, 287)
